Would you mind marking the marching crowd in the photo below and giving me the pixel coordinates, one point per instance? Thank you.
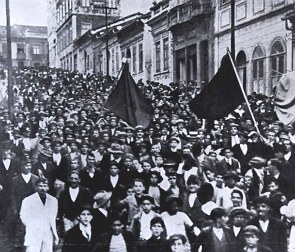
(72, 171)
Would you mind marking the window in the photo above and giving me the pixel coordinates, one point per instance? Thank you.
(258, 70)
(85, 3)
(140, 57)
(134, 58)
(36, 49)
(112, 3)
(258, 6)
(70, 34)
(158, 57)
(241, 61)
(113, 60)
(117, 58)
(20, 49)
(166, 53)
(277, 58)
(85, 27)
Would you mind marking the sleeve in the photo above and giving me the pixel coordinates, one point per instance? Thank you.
(186, 220)
(24, 212)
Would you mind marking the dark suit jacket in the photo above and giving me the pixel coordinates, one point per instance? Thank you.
(275, 236)
(49, 173)
(243, 159)
(206, 240)
(75, 241)
(100, 222)
(195, 213)
(69, 209)
(103, 243)
(118, 192)
(222, 167)
(161, 245)
(6, 180)
(105, 163)
(62, 169)
(20, 190)
(238, 242)
(93, 184)
(173, 156)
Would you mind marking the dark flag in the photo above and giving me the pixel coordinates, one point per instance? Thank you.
(128, 102)
(221, 95)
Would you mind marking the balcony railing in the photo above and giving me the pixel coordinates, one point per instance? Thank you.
(186, 11)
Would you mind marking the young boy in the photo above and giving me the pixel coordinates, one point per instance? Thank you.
(117, 239)
(158, 242)
(140, 224)
(80, 238)
(251, 234)
(131, 202)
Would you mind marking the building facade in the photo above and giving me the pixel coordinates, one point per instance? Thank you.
(263, 45)
(192, 26)
(73, 19)
(29, 46)
(162, 44)
(126, 37)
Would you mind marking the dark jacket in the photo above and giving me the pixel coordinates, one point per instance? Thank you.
(69, 209)
(153, 245)
(206, 240)
(276, 235)
(20, 190)
(75, 241)
(104, 241)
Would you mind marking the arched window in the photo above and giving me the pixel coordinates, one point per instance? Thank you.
(258, 70)
(241, 62)
(277, 57)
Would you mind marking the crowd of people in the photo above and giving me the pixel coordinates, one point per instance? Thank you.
(73, 173)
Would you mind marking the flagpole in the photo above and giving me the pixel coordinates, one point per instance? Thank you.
(243, 92)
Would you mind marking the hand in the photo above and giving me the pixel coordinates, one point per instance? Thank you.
(196, 231)
(56, 239)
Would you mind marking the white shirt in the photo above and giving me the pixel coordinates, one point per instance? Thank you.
(6, 163)
(118, 244)
(74, 193)
(191, 199)
(44, 165)
(218, 232)
(176, 224)
(83, 160)
(103, 211)
(236, 230)
(27, 143)
(27, 177)
(229, 161)
(287, 156)
(264, 225)
(244, 148)
(235, 140)
(56, 158)
(114, 180)
(145, 230)
(86, 231)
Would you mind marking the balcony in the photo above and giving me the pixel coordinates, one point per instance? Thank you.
(188, 10)
(20, 56)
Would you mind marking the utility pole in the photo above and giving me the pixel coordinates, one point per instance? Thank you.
(106, 9)
(232, 30)
(9, 61)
